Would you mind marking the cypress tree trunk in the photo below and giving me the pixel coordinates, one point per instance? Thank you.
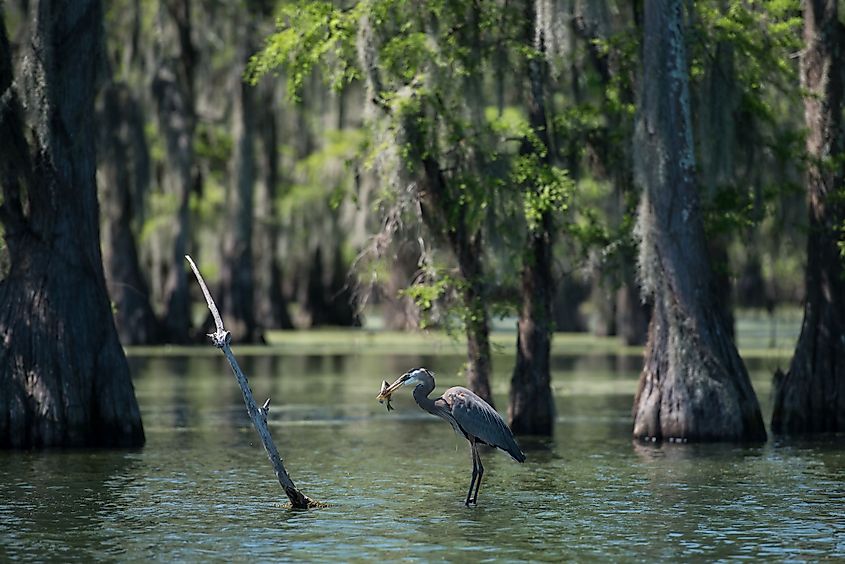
(811, 396)
(271, 307)
(173, 90)
(64, 380)
(531, 409)
(237, 283)
(120, 169)
(718, 101)
(632, 315)
(329, 300)
(469, 251)
(694, 385)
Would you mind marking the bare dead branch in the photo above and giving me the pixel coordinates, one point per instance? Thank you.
(221, 339)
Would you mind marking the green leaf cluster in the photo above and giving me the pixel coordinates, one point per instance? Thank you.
(310, 35)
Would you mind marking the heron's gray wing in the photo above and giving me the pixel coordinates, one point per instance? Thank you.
(478, 419)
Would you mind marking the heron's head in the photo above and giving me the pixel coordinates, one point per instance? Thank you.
(413, 377)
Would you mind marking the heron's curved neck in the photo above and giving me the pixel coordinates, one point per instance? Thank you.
(421, 393)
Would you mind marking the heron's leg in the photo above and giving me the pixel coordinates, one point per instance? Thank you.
(474, 454)
(480, 474)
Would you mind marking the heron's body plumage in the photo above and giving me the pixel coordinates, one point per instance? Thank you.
(476, 418)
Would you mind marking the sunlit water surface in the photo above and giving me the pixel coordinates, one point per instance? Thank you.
(202, 487)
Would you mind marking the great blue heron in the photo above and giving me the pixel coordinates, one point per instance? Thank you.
(467, 413)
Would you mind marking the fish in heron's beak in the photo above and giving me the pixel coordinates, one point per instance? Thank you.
(382, 395)
(387, 390)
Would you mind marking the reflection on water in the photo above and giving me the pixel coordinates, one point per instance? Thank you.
(202, 486)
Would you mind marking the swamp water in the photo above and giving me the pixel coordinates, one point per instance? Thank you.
(203, 489)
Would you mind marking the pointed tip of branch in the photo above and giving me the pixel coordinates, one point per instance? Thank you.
(266, 406)
(221, 337)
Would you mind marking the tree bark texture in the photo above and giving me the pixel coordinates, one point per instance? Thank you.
(531, 408)
(718, 100)
(64, 380)
(477, 321)
(237, 273)
(811, 396)
(173, 90)
(123, 164)
(693, 386)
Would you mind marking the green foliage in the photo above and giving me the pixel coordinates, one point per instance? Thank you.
(163, 207)
(589, 228)
(550, 188)
(324, 175)
(213, 145)
(310, 35)
(764, 39)
(427, 296)
(428, 68)
(406, 55)
(623, 48)
(764, 35)
(208, 207)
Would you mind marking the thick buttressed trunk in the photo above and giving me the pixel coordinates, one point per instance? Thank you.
(531, 407)
(811, 396)
(694, 386)
(237, 282)
(64, 380)
(124, 164)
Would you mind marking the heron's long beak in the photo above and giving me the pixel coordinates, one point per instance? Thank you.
(385, 393)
